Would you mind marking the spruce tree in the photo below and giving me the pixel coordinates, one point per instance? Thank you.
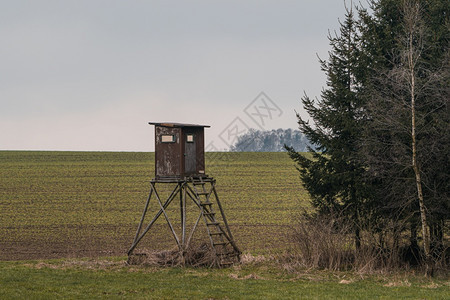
(380, 128)
(333, 175)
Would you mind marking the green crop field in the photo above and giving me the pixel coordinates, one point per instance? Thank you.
(67, 220)
(78, 204)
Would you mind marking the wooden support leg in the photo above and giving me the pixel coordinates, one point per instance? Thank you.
(143, 216)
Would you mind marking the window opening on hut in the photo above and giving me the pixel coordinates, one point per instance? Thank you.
(168, 138)
(190, 138)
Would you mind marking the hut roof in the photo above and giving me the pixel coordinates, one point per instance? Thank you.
(177, 125)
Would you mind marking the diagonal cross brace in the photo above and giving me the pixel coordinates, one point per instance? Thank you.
(167, 217)
(138, 237)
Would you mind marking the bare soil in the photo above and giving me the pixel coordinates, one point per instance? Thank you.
(29, 243)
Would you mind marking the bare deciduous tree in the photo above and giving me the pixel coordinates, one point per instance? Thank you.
(413, 48)
(406, 115)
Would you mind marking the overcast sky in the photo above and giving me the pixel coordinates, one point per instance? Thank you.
(90, 75)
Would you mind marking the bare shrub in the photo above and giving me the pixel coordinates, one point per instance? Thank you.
(322, 242)
(441, 260)
(381, 250)
(327, 242)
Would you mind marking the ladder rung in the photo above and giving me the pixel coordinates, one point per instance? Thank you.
(202, 193)
(220, 244)
(209, 214)
(198, 183)
(216, 233)
(212, 223)
(205, 203)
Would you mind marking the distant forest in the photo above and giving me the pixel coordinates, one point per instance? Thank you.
(270, 141)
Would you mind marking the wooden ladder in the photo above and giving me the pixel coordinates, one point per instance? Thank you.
(222, 242)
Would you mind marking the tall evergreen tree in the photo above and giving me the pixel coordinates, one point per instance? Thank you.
(333, 176)
(381, 126)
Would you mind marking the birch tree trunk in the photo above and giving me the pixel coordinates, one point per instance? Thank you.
(413, 51)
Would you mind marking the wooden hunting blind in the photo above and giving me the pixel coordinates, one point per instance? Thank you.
(179, 150)
(180, 162)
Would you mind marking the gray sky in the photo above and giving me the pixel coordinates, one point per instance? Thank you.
(89, 75)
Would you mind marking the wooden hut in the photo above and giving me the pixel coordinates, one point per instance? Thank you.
(179, 150)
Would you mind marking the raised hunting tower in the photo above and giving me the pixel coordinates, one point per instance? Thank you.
(180, 162)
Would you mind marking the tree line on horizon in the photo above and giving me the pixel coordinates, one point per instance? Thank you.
(273, 140)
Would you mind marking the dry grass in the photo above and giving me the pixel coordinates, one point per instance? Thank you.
(246, 277)
(248, 258)
(199, 256)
